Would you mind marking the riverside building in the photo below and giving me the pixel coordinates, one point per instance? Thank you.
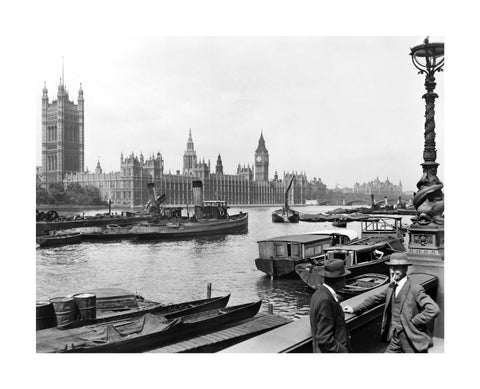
(250, 184)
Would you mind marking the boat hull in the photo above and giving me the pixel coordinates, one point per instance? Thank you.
(277, 267)
(187, 230)
(149, 337)
(361, 284)
(58, 240)
(45, 227)
(168, 311)
(310, 273)
(283, 216)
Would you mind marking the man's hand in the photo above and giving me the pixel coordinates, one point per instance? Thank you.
(348, 309)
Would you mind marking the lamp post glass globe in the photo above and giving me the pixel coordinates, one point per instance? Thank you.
(428, 57)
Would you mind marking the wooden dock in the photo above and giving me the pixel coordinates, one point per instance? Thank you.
(220, 339)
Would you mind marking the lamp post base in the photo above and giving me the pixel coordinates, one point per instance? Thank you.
(426, 252)
(426, 240)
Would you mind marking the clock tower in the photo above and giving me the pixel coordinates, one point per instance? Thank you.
(261, 160)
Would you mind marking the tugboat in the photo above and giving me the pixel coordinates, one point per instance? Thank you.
(209, 218)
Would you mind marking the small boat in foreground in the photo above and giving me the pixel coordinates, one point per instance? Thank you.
(145, 333)
(362, 283)
(110, 304)
(170, 311)
(58, 239)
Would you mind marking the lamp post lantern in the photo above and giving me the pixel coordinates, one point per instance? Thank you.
(427, 233)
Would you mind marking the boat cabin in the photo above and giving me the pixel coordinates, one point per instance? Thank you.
(172, 212)
(360, 252)
(342, 236)
(215, 209)
(382, 225)
(353, 255)
(294, 247)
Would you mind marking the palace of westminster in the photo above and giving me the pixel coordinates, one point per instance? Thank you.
(63, 161)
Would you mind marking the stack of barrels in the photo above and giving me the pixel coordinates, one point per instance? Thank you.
(61, 311)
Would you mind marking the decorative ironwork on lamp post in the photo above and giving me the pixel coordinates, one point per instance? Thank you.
(428, 58)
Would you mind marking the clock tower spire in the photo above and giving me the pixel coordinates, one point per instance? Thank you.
(261, 160)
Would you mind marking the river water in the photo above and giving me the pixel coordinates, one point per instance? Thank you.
(179, 270)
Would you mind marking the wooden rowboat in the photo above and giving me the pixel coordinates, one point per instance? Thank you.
(145, 333)
(168, 311)
(361, 284)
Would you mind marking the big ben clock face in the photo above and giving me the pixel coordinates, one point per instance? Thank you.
(259, 159)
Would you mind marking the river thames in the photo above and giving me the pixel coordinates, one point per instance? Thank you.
(179, 270)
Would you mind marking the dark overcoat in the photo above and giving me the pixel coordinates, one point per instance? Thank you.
(327, 322)
(416, 312)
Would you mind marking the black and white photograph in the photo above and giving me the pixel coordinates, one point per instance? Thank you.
(233, 192)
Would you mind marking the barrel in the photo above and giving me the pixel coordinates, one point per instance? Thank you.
(65, 310)
(86, 303)
(45, 315)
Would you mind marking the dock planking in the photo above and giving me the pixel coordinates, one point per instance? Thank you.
(217, 340)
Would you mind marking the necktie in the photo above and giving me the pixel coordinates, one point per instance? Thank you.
(394, 289)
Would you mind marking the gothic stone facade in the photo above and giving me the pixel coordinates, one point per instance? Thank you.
(62, 135)
(129, 186)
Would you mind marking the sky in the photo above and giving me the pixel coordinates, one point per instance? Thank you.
(343, 109)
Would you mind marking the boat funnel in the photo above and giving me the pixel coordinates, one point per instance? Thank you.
(373, 200)
(153, 196)
(197, 188)
(151, 192)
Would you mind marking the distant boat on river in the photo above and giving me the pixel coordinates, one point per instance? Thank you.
(58, 239)
(209, 218)
(286, 214)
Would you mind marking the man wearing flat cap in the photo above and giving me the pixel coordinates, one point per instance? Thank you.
(327, 320)
(408, 310)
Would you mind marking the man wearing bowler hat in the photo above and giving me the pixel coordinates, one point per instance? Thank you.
(408, 310)
(327, 320)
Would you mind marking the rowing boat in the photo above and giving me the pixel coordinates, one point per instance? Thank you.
(145, 333)
(361, 284)
(168, 311)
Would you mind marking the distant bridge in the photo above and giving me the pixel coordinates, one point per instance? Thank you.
(358, 201)
(330, 202)
(390, 201)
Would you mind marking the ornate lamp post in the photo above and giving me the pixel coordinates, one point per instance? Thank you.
(427, 232)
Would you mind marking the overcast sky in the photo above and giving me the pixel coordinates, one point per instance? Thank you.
(345, 109)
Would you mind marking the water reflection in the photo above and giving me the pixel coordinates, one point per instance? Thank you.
(290, 297)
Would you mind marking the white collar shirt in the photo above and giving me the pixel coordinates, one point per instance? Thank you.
(332, 292)
(400, 285)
